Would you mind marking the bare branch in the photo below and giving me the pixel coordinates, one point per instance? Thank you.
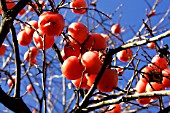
(126, 98)
(15, 104)
(17, 63)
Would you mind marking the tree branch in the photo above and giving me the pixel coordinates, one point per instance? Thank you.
(126, 99)
(17, 63)
(15, 104)
(8, 17)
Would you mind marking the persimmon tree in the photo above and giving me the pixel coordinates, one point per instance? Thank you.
(70, 56)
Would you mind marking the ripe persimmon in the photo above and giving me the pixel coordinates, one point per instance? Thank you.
(2, 49)
(151, 45)
(141, 86)
(29, 28)
(30, 54)
(124, 55)
(107, 83)
(71, 49)
(10, 82)
(81, 82)
(72, 68)
(91, 61)
(160, 62)
(23, 38)
(150, 73)
(29, 88)
(78, 6)
(154, 86)
(114, 108)
(51, 23)
(115, 29)
(96, 42)
(78, 32)
(166, 77)
(39, 37)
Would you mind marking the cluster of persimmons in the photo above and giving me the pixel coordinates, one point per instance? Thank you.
(83, 53)
(154, 77)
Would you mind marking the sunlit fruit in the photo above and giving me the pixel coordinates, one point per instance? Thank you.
(30, 54)
(140, 86)
(151, 45)
(29, 88)
(91, 61)
(2, 49)
(40, 39)
(166, 77)
(78, 32)
(154, 86)
(51, 23)
(31, 26)
(106, 37)
(150, 74)
(34, 111)
(114, 108)
(23, 38)
(96, 42)
(125, 55)
(34, 61)
(115, 29)
(71, 49)
(10, 82)
(78, 6)
(90, 79)
(160, 62)
(107, 83)
(72, 68)
(81, 83)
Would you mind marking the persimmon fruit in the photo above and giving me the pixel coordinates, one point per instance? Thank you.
(125, 55)
(91, 61)
(51, 23)
(166, 77)
(23, 38)
(116, 29)
(71, 49)
(39, 37)
(72, 68)
(114, 108)
(78, 6)
(96, 42)
(30, 54)
(78, 32)
(29, 88)
(2, 49)
(29, 29)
